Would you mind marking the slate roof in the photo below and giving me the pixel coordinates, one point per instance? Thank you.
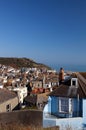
(5, 95)
(83, 74)
(82, 82)
(71, 91)
(31, 99)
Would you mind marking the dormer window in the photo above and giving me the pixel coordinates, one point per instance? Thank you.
(74, 82)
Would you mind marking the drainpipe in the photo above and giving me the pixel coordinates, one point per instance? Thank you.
(78, 105)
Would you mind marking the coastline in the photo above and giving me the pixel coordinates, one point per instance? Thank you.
(73, 68)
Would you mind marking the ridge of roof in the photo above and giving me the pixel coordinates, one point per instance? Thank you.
(82, 82)
(81, 77)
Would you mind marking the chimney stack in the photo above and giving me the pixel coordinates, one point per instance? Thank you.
(61, 76)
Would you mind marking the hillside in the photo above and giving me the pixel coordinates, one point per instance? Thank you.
(21, 62)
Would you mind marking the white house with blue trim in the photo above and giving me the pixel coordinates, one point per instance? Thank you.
(66, 105)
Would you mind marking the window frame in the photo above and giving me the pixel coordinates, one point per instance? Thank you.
(67, 104)
(73, 82)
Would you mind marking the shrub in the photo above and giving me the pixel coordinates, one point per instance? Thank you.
(23, 127)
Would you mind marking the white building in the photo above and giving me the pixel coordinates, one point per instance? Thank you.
(22, 93)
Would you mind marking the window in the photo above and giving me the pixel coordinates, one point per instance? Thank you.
(65, 105)
(8, 107)
(73, 83)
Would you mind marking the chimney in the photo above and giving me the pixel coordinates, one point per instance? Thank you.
(61, 75)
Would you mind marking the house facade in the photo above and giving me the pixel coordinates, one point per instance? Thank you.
(67, 105)
(8, 101)
(37, 84)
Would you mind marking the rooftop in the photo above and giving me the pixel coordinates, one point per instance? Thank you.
(83, 74)
(71, 91)
(6, 95)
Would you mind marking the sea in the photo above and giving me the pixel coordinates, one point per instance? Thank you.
(73, 68)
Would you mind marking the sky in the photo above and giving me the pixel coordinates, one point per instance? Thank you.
(47, 31)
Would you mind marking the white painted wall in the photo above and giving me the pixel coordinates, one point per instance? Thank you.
(1, 86)
(22, 93)
(63, 123)
(84, 112)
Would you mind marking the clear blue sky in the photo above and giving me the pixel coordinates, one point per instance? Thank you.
(47, 31)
